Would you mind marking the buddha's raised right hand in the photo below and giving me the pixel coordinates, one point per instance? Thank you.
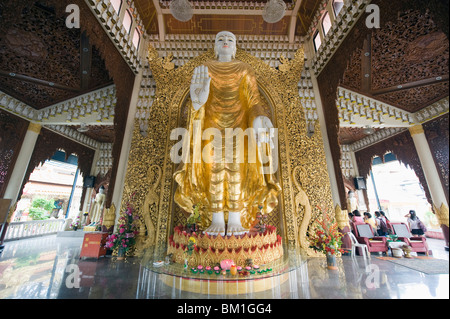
(200, 83)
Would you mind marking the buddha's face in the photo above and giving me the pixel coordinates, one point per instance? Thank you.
(225, 44)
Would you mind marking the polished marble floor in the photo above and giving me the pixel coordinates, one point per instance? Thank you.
(46, 268)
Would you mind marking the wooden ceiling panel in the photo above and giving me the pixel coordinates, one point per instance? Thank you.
(415, 99)
(239, 24)
(409, 50)
(305, 16)
(100, 133)
(350, 135)
(42, 60)
(408, 63)
(147, 12)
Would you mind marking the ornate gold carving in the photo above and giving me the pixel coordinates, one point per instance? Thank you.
(301, 199)
(109, 216)
(416, 129)
(169, 111)
(34, 127)
(263, 248)
(341, 217)
(167, 62)
(285, 65)
(442, 214)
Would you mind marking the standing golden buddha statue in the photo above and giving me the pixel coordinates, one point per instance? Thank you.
(222, 173)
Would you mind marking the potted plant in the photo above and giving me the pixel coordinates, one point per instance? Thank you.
(125, 238)
(75, 224)
(194, 220)
(327, 239)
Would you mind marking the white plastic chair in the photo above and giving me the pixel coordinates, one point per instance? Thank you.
(355, 244)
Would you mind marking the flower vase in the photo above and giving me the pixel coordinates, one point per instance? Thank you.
(121, 254)
(331, 262)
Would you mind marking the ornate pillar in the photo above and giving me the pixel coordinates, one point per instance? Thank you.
(21, 165)
(440, 205)
(127, 138)
(326, 145)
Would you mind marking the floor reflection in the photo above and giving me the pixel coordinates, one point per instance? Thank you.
(46, 268)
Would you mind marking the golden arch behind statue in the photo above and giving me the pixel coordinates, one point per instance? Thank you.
(279, 87)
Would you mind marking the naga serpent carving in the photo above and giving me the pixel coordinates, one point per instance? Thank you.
(301, 199)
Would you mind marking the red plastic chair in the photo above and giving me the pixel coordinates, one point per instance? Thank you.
(364, 235)
(417, 244)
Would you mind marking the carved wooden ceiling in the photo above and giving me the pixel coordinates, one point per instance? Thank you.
(42, 61)
(238, 23)
(404, 64)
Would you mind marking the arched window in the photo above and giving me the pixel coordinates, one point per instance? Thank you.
(326, 23)
(136, 38)
(337, 6)
(117, 5)
(127, 21)
(317, 40)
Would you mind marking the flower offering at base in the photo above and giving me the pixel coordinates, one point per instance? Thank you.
(327, 239)
(125, 238)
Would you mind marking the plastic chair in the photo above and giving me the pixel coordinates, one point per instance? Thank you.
(355, 244)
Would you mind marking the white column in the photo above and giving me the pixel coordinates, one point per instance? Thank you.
(21, 165)
(429, 168)
(126, 145)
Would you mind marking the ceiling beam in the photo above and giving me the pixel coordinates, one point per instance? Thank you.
(30, 79)
(293, 22)
(160, 18)
(86, 60)
(366, 65)
(411, 85)
(232, 11)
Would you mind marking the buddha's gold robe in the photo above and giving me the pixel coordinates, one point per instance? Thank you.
(239, 186)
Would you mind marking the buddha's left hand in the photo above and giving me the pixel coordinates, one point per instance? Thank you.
(264, 130)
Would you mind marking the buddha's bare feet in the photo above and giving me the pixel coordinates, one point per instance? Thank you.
(234, 225)
(217, 226)
(236, 230)
(216, 229)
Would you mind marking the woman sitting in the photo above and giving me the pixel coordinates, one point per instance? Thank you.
(357, 219)
(368, 219)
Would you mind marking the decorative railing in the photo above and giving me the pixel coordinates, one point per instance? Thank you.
(34, 228)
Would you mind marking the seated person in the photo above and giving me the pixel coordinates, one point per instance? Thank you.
(357, 219)
(368, 219)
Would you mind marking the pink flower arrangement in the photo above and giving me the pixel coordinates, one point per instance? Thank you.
(125, 238)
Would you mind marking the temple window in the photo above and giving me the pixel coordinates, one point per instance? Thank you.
(317, 40)
(117, 4)
(136, 38)
(326, 23)
(337, 6)
(127, 21)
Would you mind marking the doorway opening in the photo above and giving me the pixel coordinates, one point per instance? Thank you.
(395, 189)
(53, 190)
